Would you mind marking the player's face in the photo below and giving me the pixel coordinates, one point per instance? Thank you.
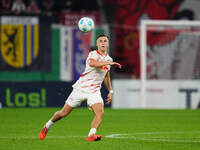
(102, 43)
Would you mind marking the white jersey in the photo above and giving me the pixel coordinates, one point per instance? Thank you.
(92, 78)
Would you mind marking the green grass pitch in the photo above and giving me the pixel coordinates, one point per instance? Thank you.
(121, 129)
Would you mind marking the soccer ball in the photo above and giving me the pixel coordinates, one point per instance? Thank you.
(86, 24)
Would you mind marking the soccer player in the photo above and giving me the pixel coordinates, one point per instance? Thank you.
(87, 87)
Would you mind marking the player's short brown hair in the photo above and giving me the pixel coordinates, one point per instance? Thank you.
(102, 35)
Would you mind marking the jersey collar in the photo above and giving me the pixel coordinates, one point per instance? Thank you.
(98, 52)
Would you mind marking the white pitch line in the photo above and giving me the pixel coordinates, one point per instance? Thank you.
(166, 140)
(123, 136)
(157, 139)
(115, 135)
(130, 136)
(37, 137)
(165, 132)
(152, 133)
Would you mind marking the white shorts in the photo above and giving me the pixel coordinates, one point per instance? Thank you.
(77, 97)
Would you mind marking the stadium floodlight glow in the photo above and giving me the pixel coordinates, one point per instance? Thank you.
(173, 27)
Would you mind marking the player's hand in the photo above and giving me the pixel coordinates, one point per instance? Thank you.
(109, 98)
(117, 64)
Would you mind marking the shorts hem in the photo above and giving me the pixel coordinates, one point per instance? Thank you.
(95, 103)
(70, 104)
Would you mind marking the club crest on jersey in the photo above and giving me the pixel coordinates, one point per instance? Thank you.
(20, 40)
(102, 68)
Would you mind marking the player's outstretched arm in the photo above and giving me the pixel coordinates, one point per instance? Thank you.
(95, 63)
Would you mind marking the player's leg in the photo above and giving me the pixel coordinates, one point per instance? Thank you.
(98, 110)
(66, 110)
(73, 101)
(95, 101)
(59, 115)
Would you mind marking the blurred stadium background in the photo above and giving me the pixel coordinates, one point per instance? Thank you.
(42, 53)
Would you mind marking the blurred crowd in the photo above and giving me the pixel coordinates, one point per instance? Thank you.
(54, 7)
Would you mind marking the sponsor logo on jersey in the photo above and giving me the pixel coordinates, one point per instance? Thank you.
(103, 68)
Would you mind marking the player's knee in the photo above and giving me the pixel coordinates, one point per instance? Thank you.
(100, 114)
